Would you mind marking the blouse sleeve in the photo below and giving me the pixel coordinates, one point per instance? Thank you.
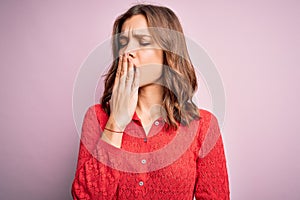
(93, 179)
(212, 178)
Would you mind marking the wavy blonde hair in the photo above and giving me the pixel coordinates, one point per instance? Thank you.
(179, 79)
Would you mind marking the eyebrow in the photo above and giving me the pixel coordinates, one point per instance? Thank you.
(122, 35)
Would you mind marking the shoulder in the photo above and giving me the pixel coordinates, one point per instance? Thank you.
(209, 125)
(207, 116)
(97, 111)
(96, 108)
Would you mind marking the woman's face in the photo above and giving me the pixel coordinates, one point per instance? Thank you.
(136, 40)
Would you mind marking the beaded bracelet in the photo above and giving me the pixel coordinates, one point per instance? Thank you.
(113, 130)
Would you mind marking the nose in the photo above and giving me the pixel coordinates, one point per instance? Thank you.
(131, 49)
(131, 54)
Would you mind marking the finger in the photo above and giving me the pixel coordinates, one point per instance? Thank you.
(123, 72)
(118, 73)
(124, 65)
(130, 74)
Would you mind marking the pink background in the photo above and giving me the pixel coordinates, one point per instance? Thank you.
(254, 45)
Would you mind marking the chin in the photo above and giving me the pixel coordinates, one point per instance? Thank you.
(150, 83)
(150, 74)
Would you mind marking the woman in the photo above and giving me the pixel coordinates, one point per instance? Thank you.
(147, 109)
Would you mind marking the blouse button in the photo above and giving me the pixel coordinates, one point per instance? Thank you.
(141, 183)
(156, 123)
(144, 161)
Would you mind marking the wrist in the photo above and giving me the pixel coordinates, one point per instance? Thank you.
(113, 131)
(113, 126)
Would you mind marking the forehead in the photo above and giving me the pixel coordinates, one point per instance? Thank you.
(137, 24)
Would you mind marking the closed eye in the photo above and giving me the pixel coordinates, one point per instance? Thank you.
(122, 44)
(145, 43)
(123, 41)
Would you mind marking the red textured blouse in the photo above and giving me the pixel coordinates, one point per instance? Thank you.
(165, 164)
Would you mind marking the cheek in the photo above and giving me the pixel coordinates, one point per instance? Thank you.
(148, 56)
